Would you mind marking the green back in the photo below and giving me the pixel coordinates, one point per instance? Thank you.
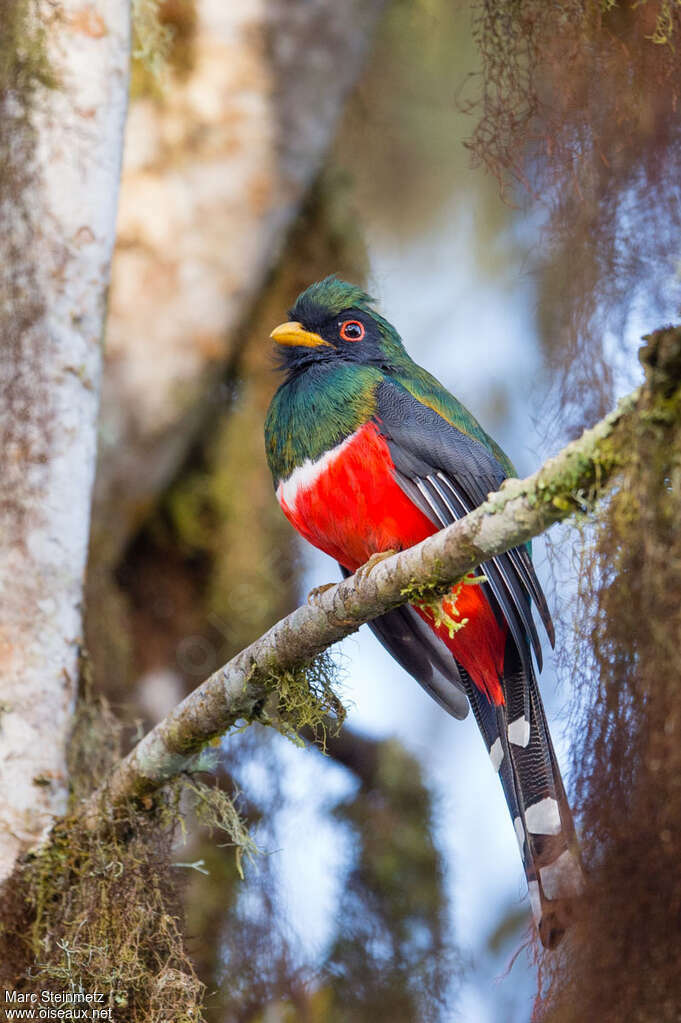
(429, 391)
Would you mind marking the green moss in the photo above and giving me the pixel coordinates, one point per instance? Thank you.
(305, 698)
(99, 909)
(151, 39)
(215, 810)
(441, 606)
(164, 35)
(579, 484)
(421, 593)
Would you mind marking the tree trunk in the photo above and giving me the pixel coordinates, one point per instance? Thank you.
(59, 220)
(215, 173)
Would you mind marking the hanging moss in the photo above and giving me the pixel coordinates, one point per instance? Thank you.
(623, 959)
(100, 910)
(216, 811)
(577, 110)
(306, 698)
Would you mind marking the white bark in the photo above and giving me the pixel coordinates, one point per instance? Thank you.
(49, 393)
(214, 175)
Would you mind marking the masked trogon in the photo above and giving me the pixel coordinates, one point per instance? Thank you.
(370, 453)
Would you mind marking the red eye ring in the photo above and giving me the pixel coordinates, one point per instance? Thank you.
(352, 330)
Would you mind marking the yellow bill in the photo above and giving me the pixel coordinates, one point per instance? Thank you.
(294, 334)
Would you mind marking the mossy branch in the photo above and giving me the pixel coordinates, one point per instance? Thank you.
(566, 484)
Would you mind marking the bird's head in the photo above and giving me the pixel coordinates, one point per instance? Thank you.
(336, 321)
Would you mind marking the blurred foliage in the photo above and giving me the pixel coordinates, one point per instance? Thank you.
(238, 933)
(400, 139)
(392, 958)
(623, 961)
(577, 103)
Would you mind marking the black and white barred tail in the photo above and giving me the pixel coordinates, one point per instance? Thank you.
(520, 748)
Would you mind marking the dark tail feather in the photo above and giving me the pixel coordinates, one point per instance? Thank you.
(522, 753)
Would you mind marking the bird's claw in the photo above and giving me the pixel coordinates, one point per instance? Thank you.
(315, 593)
(369, 565)
(313, 599)
(363, 571)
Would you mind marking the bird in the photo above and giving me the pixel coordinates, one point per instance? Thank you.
(369, 455)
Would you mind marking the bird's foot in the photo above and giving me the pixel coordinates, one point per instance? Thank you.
(315, 593)
(369, 565)
(313, 599)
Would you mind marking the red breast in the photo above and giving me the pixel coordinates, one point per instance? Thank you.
(348, 504)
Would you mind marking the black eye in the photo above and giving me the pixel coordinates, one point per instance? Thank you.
(352, 330)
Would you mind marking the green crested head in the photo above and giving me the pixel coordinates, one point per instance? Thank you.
(335, 350)
(333, 321)
(330, 297)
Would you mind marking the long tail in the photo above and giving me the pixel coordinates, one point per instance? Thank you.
(522, 753)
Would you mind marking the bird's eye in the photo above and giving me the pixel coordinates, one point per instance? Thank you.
(352, 330)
